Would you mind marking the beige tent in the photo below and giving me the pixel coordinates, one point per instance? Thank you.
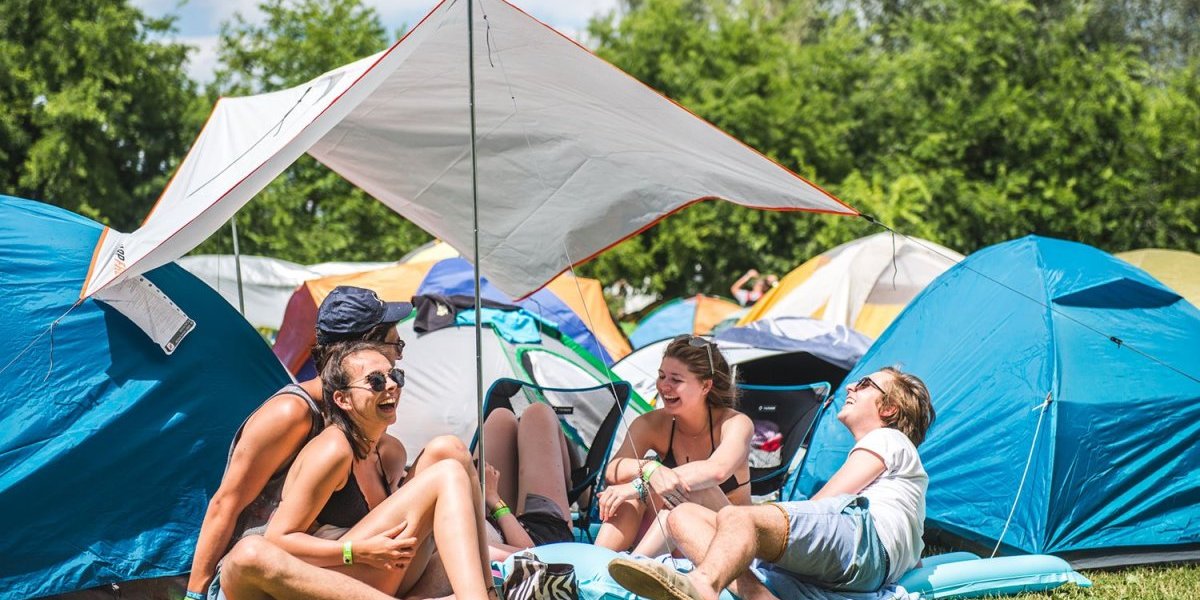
(1178, 269)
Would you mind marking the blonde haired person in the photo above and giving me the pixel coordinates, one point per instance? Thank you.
(860, 532)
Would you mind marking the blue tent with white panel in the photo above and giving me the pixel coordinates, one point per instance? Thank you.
(111, 447)
(1067, 390)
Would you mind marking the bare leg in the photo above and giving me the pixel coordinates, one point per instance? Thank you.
(432, 583)
(500, 450)
(257, 570)
(655, 541)
(692, 527)
(741, 534)
(540, 447)
(621, 530)
(434, 501)
(425, 570)
(448, 447)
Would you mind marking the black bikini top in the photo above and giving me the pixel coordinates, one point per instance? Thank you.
(727, 486)
(347, 506)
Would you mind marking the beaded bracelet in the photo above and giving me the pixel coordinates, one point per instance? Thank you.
(639, 486)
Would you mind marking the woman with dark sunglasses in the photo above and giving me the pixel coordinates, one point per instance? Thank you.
(699, 444)
(348, 504)
(270, 439)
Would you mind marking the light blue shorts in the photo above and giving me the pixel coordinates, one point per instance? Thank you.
(831, 543)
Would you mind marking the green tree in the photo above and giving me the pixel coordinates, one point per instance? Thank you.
(94, 110)
(1018, 123)
(309, 213)
(967, 123)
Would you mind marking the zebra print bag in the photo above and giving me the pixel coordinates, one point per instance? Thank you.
(532, 579)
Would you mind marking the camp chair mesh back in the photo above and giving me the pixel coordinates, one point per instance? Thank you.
(792, 410)
(588, 416)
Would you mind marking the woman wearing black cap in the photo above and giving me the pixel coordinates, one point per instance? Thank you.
(269, 440)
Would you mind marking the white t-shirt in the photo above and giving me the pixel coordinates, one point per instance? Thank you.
(897, 498)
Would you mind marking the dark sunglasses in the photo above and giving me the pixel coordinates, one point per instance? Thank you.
(378, 380)
(865, 381)
(398, 345)
(696, 341)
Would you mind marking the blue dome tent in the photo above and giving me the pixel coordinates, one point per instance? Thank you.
(110, 447)
(1068, 406)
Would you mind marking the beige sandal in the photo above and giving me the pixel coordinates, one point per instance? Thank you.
(652, 580)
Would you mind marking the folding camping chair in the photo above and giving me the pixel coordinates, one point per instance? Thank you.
(589, 418)
(783, 418)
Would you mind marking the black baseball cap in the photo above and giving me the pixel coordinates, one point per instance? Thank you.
(348, 312)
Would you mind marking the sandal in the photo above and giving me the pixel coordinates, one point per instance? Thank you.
(652, 580)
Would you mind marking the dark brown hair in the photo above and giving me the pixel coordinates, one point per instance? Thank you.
(335, 377)
(723, 393)
(320, 353)
(914, 409)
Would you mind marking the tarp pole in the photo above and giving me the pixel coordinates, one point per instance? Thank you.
(237, 266)
(475, 230)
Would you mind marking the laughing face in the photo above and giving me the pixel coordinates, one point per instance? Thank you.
(863, 400)
(373, 394)
(680, 389)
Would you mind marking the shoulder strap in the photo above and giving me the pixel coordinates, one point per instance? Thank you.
(314, 410)
(387, 485)
(712, 441)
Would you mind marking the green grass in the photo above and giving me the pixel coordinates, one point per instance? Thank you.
(1135, 583)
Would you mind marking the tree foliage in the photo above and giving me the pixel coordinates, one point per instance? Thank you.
(308, 214)
(967, 123)
(94, 109)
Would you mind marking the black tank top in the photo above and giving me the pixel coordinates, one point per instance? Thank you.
(253, 519)
(727, 486)
(347, 506)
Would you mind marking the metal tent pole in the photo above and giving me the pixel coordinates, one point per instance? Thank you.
(475, 234)
(237, 265)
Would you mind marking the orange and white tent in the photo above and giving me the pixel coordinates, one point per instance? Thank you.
(570, 154)
(862, 284)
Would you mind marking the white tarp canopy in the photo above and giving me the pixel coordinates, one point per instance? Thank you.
(267, 283)
(573, 154)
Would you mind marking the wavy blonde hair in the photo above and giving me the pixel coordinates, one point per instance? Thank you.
(914, 409)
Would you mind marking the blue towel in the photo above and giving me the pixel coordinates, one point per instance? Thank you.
(515, 326)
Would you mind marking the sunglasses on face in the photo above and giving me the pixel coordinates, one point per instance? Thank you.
(867, 381)
(377, 381)
(398, 345)
(696, 341)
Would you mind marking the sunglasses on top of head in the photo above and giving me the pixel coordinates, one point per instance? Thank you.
(377, 381)
(696, 341)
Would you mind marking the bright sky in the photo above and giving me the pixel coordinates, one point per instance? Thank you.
(200, 20)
